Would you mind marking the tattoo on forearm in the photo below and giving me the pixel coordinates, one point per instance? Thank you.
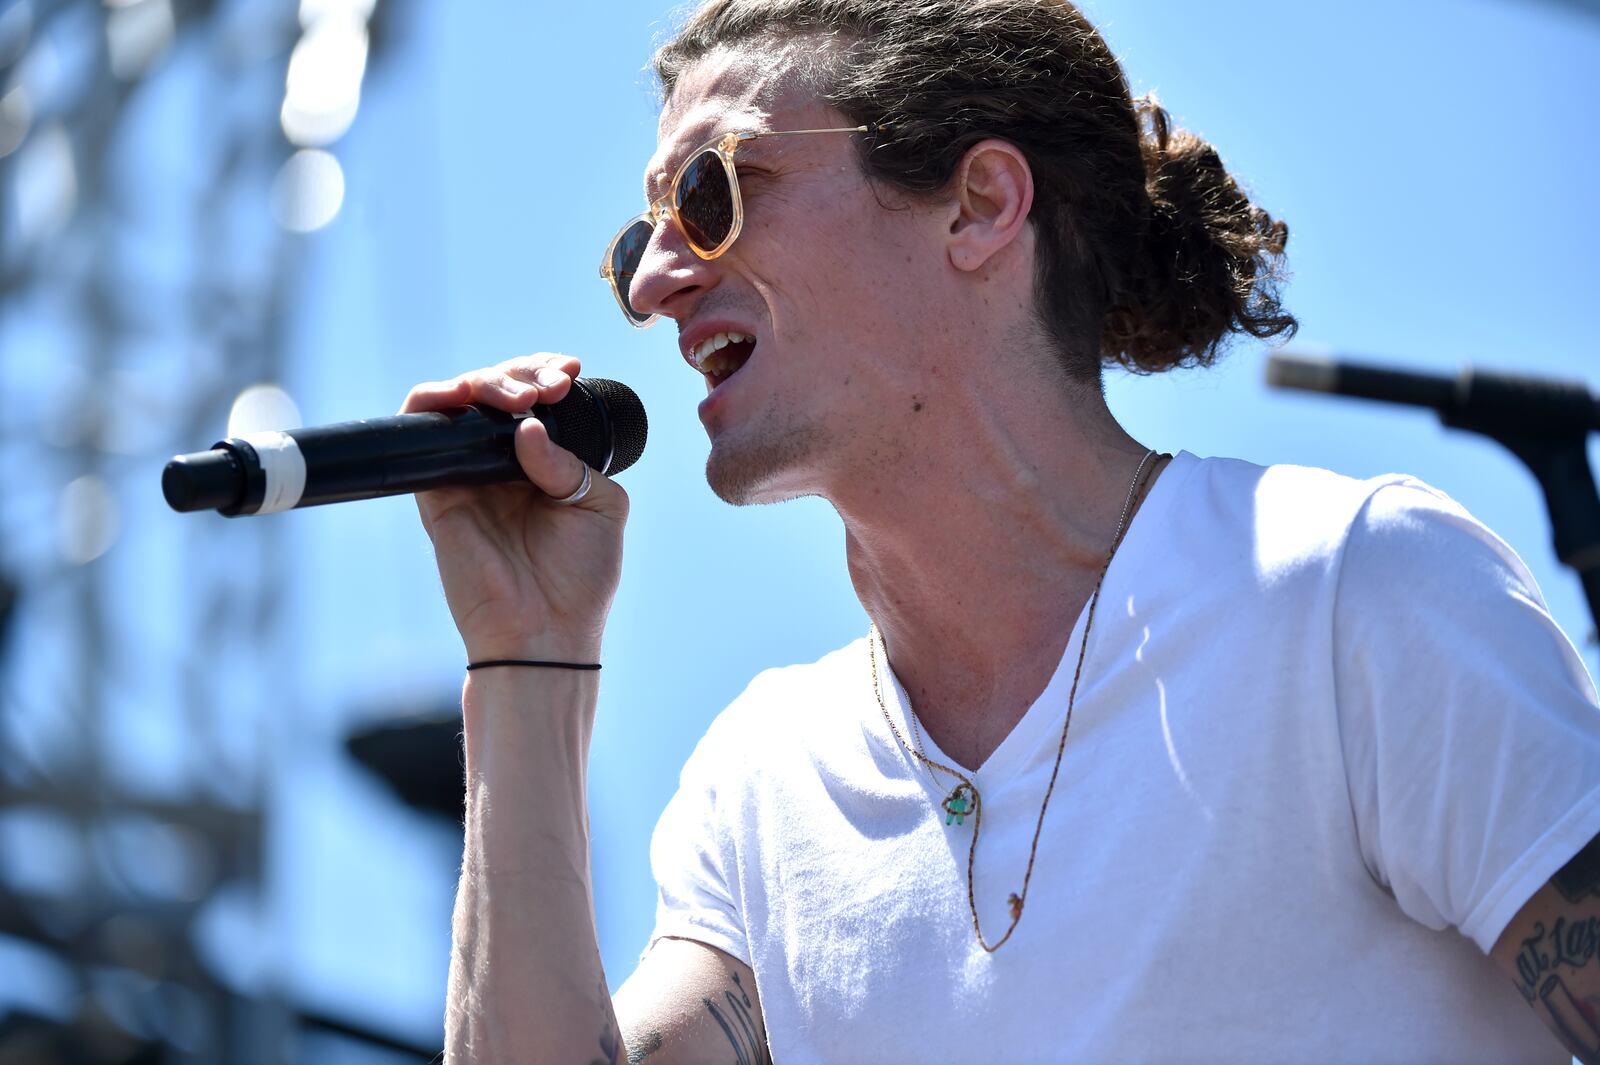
(1574, 1019)
(1565, 945)
(1571, 942)
(733, 1014)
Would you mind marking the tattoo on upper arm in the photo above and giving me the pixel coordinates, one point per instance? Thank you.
(738, 1024)
(650, 1044)
(1569, 942)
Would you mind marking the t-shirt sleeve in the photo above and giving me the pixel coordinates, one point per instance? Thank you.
(695, 897)
(1469, 724)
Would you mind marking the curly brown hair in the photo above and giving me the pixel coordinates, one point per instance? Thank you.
(1144, 239)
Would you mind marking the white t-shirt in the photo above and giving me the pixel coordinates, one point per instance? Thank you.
(1327, 743)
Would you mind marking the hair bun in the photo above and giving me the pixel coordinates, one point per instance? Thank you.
(1211, 264)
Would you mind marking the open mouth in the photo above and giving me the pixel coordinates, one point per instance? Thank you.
(720, 357)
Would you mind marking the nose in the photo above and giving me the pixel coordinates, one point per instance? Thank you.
(670, 276)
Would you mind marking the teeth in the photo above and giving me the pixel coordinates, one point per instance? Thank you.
(704, 351)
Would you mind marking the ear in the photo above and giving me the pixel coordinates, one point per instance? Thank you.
(993, 193)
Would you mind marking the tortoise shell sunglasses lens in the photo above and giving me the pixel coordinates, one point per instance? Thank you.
(702, 198)
(626, 254)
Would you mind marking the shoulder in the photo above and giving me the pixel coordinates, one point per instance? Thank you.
(1411, 544)
(1290, 517)
(815, 687)
(1309, 494)
(786, 709)
(766, 739)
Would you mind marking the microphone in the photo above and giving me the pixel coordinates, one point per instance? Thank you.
(1496, 404)
(600, 421)
(1542, 421)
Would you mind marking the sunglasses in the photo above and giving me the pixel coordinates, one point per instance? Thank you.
(703, 202)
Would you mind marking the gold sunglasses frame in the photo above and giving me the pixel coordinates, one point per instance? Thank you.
(663, 208)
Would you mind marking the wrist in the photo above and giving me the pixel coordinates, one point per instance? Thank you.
(531, 663)
(574, 649)
(514, 718)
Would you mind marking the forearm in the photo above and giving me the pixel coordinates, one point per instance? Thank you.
(1551, 949)
(526, 984)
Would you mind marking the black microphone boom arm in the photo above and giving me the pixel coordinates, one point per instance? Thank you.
(1544, 422)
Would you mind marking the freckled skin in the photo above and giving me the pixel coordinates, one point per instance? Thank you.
(820, 403)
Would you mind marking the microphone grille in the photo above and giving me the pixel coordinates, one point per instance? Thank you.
(600, 421)
(629, 427)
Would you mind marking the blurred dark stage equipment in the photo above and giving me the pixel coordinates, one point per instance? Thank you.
(1591, 8)
(158, 160)
(600, 421)
(421, 761)
(1544, 422)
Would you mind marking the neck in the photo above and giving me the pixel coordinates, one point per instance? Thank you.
(976, 601)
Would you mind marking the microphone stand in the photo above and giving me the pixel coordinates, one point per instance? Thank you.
(1560, 463)
(1544, 422)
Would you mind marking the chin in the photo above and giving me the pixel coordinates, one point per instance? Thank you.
(767, 470)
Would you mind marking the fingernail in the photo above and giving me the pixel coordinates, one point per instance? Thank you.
(546, 376)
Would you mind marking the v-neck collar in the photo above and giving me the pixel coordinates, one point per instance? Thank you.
(1040, 726)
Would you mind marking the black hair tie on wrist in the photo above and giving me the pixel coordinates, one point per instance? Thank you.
(486, 663)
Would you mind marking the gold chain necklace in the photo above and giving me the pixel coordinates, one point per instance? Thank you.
(964, 800)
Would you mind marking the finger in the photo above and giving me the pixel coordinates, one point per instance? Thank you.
(435, 395)
(570, 365)
(513, 385)
(551, 374)
(490, 387)
(554, 470)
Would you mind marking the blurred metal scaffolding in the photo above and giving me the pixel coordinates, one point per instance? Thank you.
(145, 285)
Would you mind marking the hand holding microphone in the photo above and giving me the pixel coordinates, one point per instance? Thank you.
(524, 577)
(602, 422)
(509, 464)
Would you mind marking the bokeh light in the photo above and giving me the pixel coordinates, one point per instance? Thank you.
(260, 408)
(308, 191)
(138, 33)
(46, 185)
(88, 519)
(314, 11)
(16, 115)
(323, 88)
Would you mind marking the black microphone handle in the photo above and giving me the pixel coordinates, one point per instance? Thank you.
(261, 473)
(377, 457)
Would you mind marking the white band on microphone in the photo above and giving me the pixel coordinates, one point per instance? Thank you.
(282, 466)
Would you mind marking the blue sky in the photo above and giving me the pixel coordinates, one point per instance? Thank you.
(1433, 160)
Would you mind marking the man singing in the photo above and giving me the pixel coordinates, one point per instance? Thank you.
(1144, 757)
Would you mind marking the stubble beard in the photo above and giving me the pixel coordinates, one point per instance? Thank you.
(764, 462)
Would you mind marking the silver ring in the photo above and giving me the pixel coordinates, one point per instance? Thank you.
(576, 496)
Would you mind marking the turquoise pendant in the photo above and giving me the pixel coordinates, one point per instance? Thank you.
(957, 805)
